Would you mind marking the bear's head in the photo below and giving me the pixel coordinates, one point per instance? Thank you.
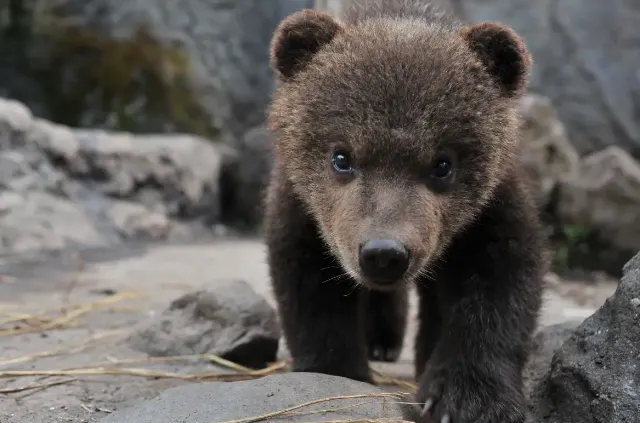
(394, 133)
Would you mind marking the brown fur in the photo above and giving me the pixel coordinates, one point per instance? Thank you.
(398, 84)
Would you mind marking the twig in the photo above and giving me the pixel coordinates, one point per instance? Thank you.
(70, 316)
(211, 357)
(96, 372)
(380, 378)
(129, 372)
(314, 402)
(76, 347)
(71, 285)
(36, 386)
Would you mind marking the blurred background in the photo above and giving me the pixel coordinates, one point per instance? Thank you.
(200, 67)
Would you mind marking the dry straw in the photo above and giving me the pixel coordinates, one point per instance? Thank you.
(36, 386)
(44, 323)
(34, 323)
(292, 410)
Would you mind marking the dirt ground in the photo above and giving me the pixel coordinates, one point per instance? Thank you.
(138, 282)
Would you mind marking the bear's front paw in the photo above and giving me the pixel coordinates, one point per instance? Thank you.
(457, 393)
(378, 351)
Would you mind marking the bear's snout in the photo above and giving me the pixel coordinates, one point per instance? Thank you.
(383, 261)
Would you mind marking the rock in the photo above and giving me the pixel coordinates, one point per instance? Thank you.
(545, 343)
(590, 76)
(605, 197)
(62, 186)
(137, 222)
(145, 66)
(39, 220)
(225, 401)
(245, 178)
(595, 374)
(546, 152)
(15, 118)
(173, 174)
(229, 320)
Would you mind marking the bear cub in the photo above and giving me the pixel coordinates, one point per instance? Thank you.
(396, 137)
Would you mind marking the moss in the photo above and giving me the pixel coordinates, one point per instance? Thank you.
(578, 247)
(92, 80)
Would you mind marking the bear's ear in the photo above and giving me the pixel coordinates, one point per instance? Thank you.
(503, 52)
(298, 38)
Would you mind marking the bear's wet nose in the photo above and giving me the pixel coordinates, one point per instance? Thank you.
(383, 260)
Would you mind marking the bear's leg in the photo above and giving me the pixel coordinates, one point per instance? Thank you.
(429, 323)
(319, 311)
(490, 292)
(386, 317)
(318, 303)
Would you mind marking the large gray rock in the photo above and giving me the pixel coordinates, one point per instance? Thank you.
(221, 402)
(245, 178)
(198, 66)
(40, 220)
(62, 187)
(546, 152)
(173, 174)
(595, 374)
(599, 192)
(545, 343)
(230, 320)
(604, 196)
(586, 58)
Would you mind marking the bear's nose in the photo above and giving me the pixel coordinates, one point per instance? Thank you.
(383, 260)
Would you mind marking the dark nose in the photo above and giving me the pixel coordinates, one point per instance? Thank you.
(383, 260)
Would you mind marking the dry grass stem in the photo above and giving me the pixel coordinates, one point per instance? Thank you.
(210, 357)
(384, 380)
(97, 372)
(69, 349)
(329, 410)
(320, 401)
(102, 371)
(274, 368)
(36, 386)
(63, 321)
(110, 370)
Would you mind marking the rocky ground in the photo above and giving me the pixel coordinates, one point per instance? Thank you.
(121, 330)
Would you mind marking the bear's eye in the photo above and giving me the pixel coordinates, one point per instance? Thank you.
(442, 168)
(341, 162)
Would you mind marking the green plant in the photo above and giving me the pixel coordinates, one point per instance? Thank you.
(89, 78)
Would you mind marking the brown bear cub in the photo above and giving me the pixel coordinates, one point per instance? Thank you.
(396, 138)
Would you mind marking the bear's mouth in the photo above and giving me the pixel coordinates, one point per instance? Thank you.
(381, 264)
(381, 284)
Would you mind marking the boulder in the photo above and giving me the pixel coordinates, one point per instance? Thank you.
(589, 75)
(230, 320)
(595, 375)
(545, 343)
(218, 402)
(245, 177)
(63, 186)
(149, 66)
(595, 197)
(605, 197)
(39, 220)
(173, 174)
(546, 153)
